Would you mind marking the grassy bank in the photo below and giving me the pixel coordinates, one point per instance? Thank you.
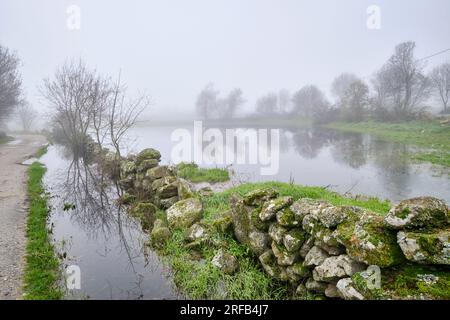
(431, 137)
(42, 265)
(193, 271)
(193, 173)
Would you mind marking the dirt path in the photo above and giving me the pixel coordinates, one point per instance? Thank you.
(13, 211)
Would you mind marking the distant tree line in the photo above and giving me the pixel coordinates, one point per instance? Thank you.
(399, 90)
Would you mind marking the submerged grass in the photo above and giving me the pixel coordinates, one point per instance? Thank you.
(42, 265)
(431, 136)
(191, 172)
(193, 271)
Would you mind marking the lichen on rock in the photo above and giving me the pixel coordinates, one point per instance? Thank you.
(417, 213)
(184, 213)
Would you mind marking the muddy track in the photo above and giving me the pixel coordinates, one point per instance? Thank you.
(13, 211)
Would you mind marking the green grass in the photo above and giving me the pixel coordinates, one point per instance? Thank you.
(403, 282)
(42, 265)
(432, 137)
(43, 150)
(197, 278)
(191, 172)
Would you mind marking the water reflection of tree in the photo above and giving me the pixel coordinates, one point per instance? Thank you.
(350, 149)
(310, 141)
(97, 213)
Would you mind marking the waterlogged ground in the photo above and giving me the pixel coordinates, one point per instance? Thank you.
(105, 243)
(343, 161)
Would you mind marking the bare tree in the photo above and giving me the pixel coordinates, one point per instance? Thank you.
(74, 94)
(440, 79)
(267, 105)
(232, 102)
(206, 103)
(10, 83)
(284, 100)
(26, 115)
(86, 104)
(309, 101)
(355, 101)
(401, 84)
(123, 113)
(341, 84)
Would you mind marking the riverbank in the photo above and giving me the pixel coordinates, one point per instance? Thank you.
(42, 273)
(431, 138)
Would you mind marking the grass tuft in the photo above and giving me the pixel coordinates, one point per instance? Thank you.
(191, 172)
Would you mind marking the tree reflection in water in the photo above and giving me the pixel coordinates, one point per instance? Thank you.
(98, 214)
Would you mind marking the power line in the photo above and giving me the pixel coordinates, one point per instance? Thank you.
(434, 54)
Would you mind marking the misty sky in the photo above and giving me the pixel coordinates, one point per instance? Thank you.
(172, 48)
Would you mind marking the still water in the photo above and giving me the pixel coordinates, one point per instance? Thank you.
(344, 162)
(109, 246)
(101, 239)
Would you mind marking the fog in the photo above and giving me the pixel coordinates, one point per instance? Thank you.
(172, 49)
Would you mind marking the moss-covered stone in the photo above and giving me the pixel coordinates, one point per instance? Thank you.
(223, 223)
(241, 218)
(294, 239)
(145, 212)
(257, 222)
(431, 247)
(271, 207)
(184, 213)
(168, 190)
(127, 168)
(299, 269)
(277, 232)
(184, 189)
(258, 197)
(368, 240)
(258, 242)
(286, 218)
(147, 164)
(284, 258)
(270, 266)
(148, 154)
(159, 236)
(418, 213)
(158, 172)
(305, 206)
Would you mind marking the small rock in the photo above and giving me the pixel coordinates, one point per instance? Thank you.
(258, 197)
(277, 232)
(284, 258)
(316, 286)
(307, 245)
(331, 291)
(185, 213)
(225, 262)
(337, 267)
(196, 232)
(271, 207)
(258, 242)
(293, 240)
(347, 291)
(315, 257)
(158, 172)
